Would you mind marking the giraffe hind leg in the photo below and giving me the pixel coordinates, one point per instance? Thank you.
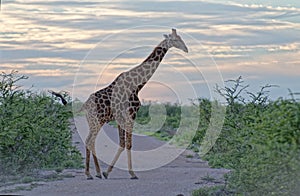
(120, 150)
(98, 170)
(95, 126)
(87, 164)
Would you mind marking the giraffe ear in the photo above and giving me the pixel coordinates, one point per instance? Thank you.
(166, 36)
(174, 33)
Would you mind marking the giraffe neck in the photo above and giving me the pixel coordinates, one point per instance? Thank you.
(147, 68)
(157, 54)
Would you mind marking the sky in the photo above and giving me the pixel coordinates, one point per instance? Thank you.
(81, 46)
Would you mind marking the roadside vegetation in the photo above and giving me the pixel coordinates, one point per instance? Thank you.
(34, 131)
(259, 142)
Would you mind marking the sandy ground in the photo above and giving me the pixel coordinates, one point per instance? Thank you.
(181, 176)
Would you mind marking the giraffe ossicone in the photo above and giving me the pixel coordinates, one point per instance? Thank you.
(119, 101)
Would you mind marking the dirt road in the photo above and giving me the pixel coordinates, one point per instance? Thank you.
(181, 176)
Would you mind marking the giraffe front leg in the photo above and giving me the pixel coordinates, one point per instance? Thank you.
(131, 172)
(129, 159)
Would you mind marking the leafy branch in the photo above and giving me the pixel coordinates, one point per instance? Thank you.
(232, 93)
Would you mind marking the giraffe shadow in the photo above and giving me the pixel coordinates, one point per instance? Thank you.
(122, 178)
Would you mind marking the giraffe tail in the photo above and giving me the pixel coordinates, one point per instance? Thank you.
(82, 108)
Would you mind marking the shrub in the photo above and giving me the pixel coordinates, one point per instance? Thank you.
(259, 142)
(34, 129)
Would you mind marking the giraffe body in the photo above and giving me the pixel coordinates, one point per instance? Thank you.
(119, 101)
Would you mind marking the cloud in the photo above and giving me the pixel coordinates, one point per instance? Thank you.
(291, 47)
(260, 7)
(50, 39)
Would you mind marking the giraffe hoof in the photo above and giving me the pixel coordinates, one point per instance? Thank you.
(89, 178)
(105, 174)
(99, 176)
(134, 178)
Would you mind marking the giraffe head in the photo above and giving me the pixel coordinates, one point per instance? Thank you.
(175, 41)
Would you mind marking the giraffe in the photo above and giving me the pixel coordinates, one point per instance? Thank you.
(119, 101)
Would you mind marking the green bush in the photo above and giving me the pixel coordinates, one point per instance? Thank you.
(173, 112)
(259, 142)
(34, 129)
